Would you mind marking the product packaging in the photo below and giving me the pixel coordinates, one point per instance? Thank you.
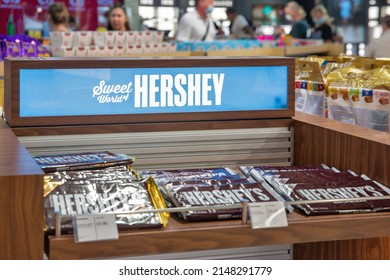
(81, 51)
(209, 187)
(113, 190)
(162, 177)
(13, 48)
(92, 51)
(68, 52)
(119, 51)
(309, 88)
(29, 49)
(102, 51)
(131, 38)
(319, 182)
(120, 40)
(360, 97)
(62, 39)
(110, 38)
(215, 195)
(110, 51)
(82, 39)
(158, 37)
(81, 161)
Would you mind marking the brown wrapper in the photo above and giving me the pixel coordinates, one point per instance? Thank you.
(206, 195)
(326, 184)
(357, 189)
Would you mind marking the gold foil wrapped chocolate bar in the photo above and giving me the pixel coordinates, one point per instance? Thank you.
(102, 191)
(81, 161)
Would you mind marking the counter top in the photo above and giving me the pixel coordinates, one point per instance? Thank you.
(15, 159)
(350, 129)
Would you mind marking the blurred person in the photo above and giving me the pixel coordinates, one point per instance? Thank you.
(58, 17)
(118, 19)
(296, 14)
(72, 23)
(197, 25)
(239, 26)
(381, 47)
(322, 24)
(219, 31)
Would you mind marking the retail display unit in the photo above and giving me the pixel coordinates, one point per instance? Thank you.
(184, 139)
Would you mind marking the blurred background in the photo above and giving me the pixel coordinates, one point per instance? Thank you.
(357, 21)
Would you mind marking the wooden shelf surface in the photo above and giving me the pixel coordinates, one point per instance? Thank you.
(185, 237)
(340, 127)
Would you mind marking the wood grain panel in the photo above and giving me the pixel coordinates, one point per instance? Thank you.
(173, 126)
(365, 151)
(14, 158)
(181, 237)
(359, 249)
(21, 212)
(21, 200)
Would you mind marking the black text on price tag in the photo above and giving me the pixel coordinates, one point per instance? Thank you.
(94, 228)
(267, 214)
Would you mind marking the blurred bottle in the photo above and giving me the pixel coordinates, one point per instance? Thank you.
(10, 25)
(46, 30)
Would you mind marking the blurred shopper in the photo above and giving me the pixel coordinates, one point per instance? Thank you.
(58, 17)
(239, 26)
(72, 23)
(197, 25)
(381, 47)
(296, 14)
(322, 24)
(118, 19)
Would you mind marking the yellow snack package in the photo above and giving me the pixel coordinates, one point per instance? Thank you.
(360, 97)
(380, 62)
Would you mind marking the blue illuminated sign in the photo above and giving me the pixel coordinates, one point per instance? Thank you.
(81, 92)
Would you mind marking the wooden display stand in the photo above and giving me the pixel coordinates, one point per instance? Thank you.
(365, 151)
(2, 84)
(317, 140)
(21, 196)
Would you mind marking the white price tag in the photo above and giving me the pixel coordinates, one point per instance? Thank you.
(95, 227)
(267, 214)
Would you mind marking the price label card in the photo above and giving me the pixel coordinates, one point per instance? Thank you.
(267, 215)
(95, 227)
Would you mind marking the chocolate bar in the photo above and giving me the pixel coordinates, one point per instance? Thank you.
(161, 177)
(81, 161)
(84, 192)
(355, 189)
(206, 195)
